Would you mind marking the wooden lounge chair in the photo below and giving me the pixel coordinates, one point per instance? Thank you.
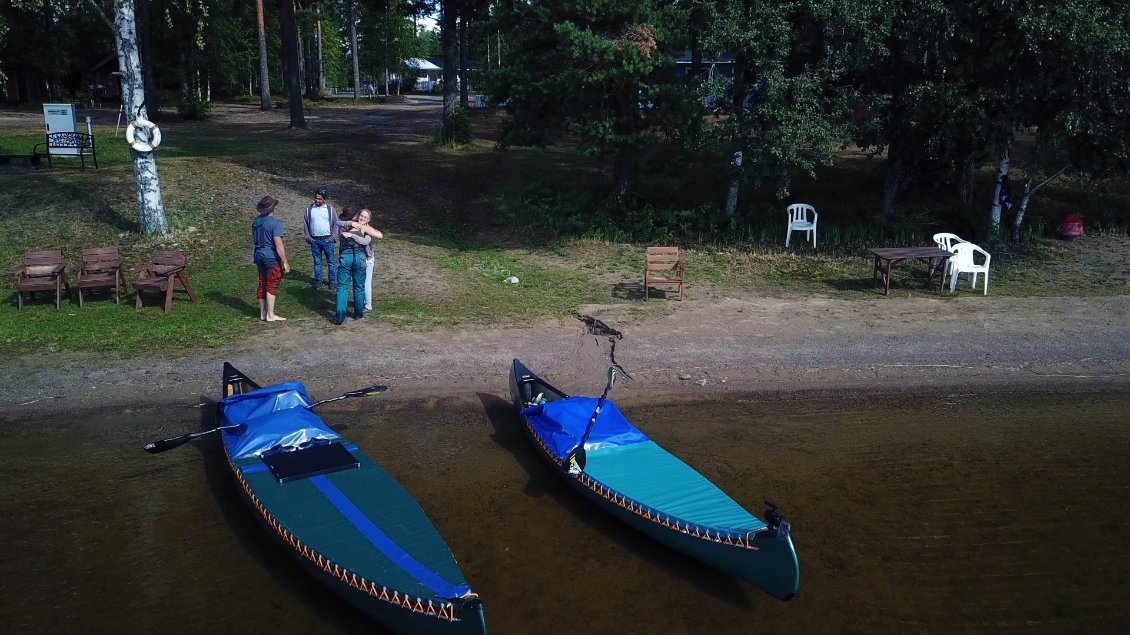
(41, 271)
(663, 268)
(100, 267)
(163, 272)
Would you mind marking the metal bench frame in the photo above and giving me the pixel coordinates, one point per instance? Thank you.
(81, 141)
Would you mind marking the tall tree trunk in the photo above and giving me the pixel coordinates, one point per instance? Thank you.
(264, 77)
(292, 70)
(321, 60)
(353, 50)
(892, 182)
(735, 185)
(995, 210)
(965, 178)
(736, 112)
(450, 41)
(464, 72)
(150, 207)
(1029, 190)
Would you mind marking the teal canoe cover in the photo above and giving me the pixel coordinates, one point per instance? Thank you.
(271, 416)
(561, 423)
(652, 476)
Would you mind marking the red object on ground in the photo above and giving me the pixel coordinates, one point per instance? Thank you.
(1070, 227)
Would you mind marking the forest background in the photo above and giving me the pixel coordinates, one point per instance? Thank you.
(619, 123)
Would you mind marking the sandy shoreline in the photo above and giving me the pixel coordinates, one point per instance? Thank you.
(699, 349)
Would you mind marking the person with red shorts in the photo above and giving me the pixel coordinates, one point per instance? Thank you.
(270, 257)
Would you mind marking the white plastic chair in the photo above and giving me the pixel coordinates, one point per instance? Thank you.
(798, 222)
(963, 261)
(946, 241)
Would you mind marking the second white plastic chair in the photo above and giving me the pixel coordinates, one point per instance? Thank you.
(799, 222)
(963, 261)
(945, 240)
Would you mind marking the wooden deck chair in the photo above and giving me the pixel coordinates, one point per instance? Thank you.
(663, 268)
(41, 271)
(163, 272)
(100, 267)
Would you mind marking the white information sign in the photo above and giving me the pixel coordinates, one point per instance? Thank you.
(61, 118)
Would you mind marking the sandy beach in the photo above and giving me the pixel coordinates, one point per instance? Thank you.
(698, 348)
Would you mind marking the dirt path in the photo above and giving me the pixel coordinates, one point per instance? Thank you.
(699, 349)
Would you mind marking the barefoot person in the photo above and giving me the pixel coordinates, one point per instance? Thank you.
(270, 257)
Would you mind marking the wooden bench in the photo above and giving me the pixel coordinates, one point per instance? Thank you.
(663, 268)
(66, 144)
(162, 273)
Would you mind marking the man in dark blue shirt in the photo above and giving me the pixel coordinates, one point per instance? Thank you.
(270, 257)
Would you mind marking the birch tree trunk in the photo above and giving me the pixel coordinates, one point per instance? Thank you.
(1029, 190)
(995, 210)
(264, 77)
(353, 49)
(150, 208)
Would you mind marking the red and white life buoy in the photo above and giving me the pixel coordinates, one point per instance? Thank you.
(154, 134)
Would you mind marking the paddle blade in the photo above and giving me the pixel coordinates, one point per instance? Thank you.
(161, 445)
(365, 392)
(575, 462)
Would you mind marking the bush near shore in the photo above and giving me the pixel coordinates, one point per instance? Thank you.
(460, 220)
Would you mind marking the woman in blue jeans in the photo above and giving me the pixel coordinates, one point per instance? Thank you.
(353, 250)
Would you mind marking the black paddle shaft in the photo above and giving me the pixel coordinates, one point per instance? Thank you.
(162, 445)
(576, 459)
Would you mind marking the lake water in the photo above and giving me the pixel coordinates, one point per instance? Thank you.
(953, 510)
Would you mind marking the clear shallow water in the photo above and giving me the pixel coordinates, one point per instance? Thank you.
(940, 512)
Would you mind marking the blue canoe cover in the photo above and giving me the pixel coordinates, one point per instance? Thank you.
(561, 423)
(272, 416)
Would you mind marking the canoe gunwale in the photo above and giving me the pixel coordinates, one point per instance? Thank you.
(718, 548)
(440, 610)
(613, 496)
(466, 610)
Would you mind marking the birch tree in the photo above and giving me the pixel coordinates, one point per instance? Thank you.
(150, 207)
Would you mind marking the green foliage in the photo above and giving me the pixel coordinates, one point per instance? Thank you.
(583, 70)
(461, 133)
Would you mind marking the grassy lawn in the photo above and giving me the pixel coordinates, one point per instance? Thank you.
(459, 222)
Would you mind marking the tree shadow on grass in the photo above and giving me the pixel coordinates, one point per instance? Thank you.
(239, 304)
(861, 285)
(628, 290)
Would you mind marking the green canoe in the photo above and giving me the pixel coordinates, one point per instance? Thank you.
(340, 515)
(648, 488)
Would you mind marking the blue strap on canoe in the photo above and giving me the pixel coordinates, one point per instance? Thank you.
(385, 544)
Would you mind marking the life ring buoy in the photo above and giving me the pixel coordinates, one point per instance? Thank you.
(138, 144)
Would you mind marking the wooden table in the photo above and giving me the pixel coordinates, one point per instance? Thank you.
(888, 257)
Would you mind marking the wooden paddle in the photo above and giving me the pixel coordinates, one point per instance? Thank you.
(161, 445)
(576, 458)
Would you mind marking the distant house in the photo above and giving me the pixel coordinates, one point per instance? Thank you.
(426, 73)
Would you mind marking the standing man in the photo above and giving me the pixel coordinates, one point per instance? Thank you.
(321, 231)
(270, 257)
